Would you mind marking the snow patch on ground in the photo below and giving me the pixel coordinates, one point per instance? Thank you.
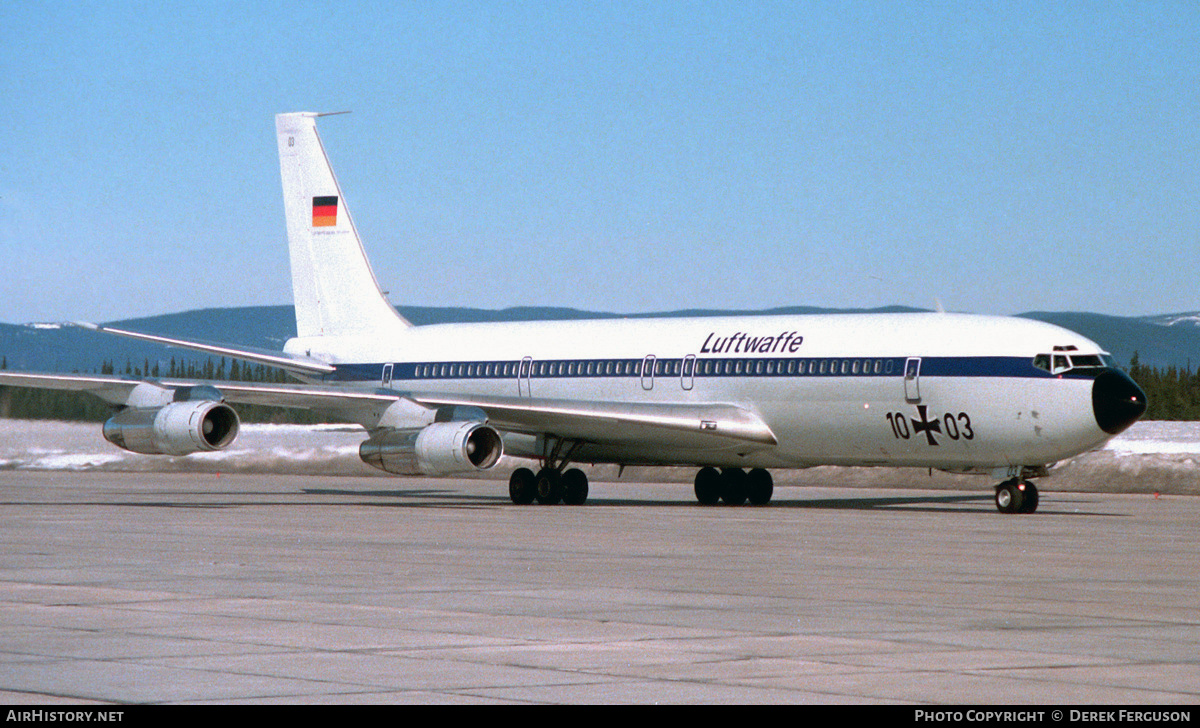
(1151, 457)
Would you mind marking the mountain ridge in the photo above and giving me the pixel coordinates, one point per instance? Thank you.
(1163, 340)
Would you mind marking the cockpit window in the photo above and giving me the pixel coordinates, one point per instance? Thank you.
(1058, 363)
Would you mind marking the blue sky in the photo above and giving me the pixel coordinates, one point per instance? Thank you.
(613, 156)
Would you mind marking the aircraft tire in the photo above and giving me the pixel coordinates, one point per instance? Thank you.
(1029, 502)
(733, 486)
(759, 486)
(1009, 497)
(708, 486)
(574, 487)
(522, 486)
(549, 487)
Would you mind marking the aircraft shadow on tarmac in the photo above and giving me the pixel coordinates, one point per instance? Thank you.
(448, 497)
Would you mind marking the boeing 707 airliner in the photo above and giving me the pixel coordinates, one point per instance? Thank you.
(733, 397)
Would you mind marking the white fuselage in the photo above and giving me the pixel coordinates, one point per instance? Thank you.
(833, 389)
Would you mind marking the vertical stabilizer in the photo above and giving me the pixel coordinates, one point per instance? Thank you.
(335, 291)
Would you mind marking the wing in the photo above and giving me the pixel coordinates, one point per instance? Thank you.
(691, 425)
(646, 423)
(677, 425)
(116, 390)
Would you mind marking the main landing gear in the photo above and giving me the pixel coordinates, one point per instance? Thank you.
(734, 486)
(551, 485)
(1017, 496)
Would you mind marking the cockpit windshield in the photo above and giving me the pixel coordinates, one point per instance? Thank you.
(1066, 359)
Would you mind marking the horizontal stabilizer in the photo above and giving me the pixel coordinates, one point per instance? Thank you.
(288, 362)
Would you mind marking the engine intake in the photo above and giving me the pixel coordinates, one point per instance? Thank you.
(180, 428)
(438, 449)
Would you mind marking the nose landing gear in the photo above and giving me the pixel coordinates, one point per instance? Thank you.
(1016, 496)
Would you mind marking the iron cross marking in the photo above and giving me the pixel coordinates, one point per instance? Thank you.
(926, 425)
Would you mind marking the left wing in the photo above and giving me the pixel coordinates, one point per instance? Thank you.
(696, 425)
(116, 389)
(646, 423)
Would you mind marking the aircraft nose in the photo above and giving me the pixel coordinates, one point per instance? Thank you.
(1117, 401)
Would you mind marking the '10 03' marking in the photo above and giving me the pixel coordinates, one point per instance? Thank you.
(954, 426)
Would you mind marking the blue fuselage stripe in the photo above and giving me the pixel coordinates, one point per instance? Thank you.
(977, 366)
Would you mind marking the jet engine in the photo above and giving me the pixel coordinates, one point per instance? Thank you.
(179, 428)
(438, 449)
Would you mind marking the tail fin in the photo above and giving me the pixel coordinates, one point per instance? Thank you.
(335, 291)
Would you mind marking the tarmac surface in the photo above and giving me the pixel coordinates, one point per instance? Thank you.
(198, 587)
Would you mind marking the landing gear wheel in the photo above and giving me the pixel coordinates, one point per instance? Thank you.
(1029, 502)
(733, 486)
(1010, 497)
(574, 487)
(549, 487)
(708, 486)
(759, 486)
(522, 486)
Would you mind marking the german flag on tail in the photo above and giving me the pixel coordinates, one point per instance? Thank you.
(325, 211)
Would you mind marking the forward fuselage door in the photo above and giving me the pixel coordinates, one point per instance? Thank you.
(687, 377)
(648, 372)
(387, 376)
(912, 379)
(524, 373)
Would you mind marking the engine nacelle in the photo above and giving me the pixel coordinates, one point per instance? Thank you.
(438, 449)
(179, 428)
